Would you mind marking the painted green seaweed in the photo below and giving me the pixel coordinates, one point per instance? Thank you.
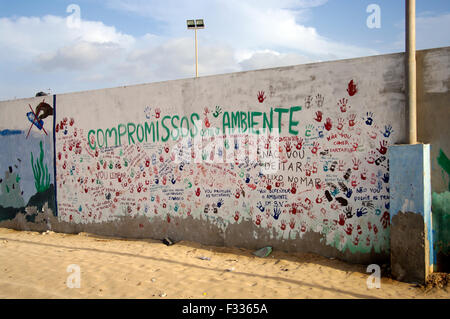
(40, 172)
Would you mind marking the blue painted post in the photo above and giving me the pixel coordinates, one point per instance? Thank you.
(412, 258)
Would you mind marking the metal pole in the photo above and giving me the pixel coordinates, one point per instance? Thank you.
(196, 55)
(411, 69)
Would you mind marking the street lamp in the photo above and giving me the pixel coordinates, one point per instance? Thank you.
(195, 24)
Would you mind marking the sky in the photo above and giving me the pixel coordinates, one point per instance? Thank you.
(44, 46)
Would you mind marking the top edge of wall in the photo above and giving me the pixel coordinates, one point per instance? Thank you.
(241, 72)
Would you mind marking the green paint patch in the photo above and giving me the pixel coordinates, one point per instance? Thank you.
(441, 221)
(444, 163)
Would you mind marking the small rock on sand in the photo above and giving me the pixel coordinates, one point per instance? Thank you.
(204, 258)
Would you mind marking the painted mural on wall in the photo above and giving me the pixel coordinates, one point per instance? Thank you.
(319, 165)
(26, 164)
(441, 215)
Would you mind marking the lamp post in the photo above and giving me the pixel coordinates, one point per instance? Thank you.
(195, 24)
(411, 70)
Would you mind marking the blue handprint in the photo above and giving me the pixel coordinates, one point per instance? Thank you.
(320, 134)
(260, 207)
(349, 193)
(276, 213)
(361, 211)
(385, 178)
(220, 203)
(369, 119)
(387, 130)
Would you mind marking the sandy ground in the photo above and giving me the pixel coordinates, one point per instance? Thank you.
(34, 265)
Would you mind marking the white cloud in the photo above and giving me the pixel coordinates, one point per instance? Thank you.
(77, 56)
(238, 36)
(430, 31)
(270, 59)
(253, 25)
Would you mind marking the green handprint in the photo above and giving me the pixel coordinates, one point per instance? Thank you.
(217, 112)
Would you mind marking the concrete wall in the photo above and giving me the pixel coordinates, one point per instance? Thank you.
(26, 161)
(433, 94)
(317, 179)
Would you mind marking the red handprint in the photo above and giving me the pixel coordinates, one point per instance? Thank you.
(328, 124)
(359, 229)
(293, 210)
(288, 147)
(157, 113)
(385, 219)
(356, 163)
(354, 181)
(341, 166)
(349, 229)
(294, 188)
(236, 216)
(343, 104)
(303, 228)
(342, 219)
(315, 148)
(292, 223)
(197, 192)
(351, 120)
(261, 96)
(352, 90)
(340, 124)
(308, 168)
(382, 148)
(207, 124)
(299, 144)
(318, 116)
